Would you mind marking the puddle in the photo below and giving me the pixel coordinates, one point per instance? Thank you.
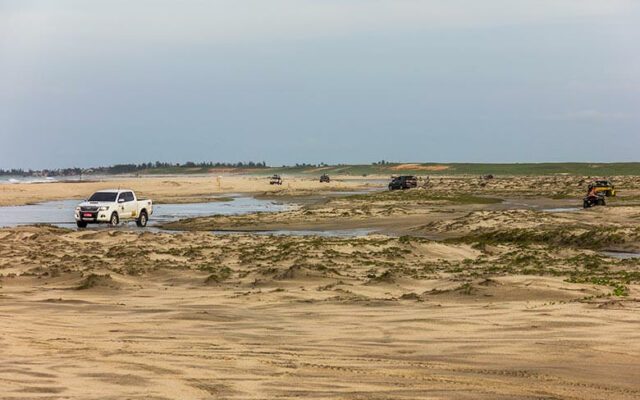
(60, 213)
(623, 255)
(517, 205)
(340, 233)
(562, 209)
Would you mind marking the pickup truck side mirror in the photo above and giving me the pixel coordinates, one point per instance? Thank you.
(121, 200)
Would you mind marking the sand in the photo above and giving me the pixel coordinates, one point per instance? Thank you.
(166, 189)
(483, 300)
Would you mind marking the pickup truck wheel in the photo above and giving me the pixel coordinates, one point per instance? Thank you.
(113, 221)
(81, 224)
(142, 220)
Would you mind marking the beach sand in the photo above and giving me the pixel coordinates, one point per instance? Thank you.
(167, 189)
(111, 315)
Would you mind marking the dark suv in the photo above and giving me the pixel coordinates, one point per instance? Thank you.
(403, 182)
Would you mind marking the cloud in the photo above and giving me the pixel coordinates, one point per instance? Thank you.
(232, 21)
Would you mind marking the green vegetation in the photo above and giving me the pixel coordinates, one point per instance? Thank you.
(593, 238)
(589, 169)
(219, 276)
(619, 289)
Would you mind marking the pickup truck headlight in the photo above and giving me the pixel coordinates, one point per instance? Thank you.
(78, 208)
(104, 208)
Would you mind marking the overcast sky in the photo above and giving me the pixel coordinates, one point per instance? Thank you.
(86, 83)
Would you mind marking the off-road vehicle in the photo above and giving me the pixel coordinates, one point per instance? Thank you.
(403, 182)
(325, 178)
(604, 186)
(275, 180)
(594, 200)
(112, 207)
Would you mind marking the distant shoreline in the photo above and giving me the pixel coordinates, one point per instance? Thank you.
(360, 170)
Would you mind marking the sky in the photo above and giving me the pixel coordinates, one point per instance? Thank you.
(88, 83)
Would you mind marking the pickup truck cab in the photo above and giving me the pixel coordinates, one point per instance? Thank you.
(112, 207)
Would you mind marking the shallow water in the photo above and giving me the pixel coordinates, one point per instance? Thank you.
(51, 179)
(60, 213)
(562, 209)
(343, 233)
(26, 179)
(623, 255)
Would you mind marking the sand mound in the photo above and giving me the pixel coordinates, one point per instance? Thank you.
(299, 272)
(98, 281)
(412, 296)
(443, 251)
(506, 289)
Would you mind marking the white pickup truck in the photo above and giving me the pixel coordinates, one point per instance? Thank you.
(112, 207)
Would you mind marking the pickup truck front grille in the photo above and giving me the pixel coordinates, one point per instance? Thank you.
(89, 208)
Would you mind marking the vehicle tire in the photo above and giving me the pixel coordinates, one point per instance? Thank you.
(113, 221)
(585, 204)
(81, 224)
(142, 220)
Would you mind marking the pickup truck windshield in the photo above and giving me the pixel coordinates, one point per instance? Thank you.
(103, 196)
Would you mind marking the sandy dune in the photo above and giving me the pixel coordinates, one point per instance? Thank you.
(110, 315)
